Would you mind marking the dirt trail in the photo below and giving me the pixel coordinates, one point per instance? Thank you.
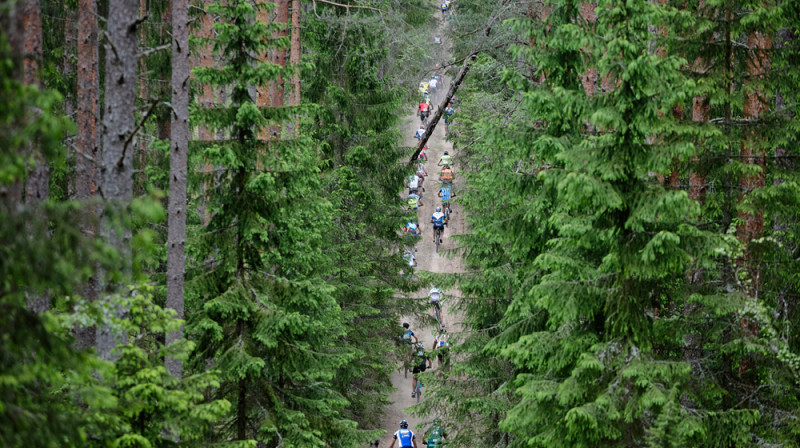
(427, 258)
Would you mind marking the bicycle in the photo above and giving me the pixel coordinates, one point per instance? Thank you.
(437, 312)
(418, 389)
(437, 237)
(446, 209)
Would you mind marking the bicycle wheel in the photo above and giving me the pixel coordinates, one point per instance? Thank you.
(419, 390)
(438, 239)
(437, 309)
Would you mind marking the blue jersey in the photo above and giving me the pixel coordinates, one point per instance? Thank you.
(405, 436)
(445, 194)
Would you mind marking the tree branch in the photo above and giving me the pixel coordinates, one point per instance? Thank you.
(136, 129)
(347, 6)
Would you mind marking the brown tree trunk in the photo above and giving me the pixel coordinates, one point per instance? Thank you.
(294, 59)
(141, 147)
(179, 144)
(206, 96)
(88, 139)
(37, 184)
(118, 138)
(279, 57)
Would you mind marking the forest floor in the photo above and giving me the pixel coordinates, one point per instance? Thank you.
(427, 257)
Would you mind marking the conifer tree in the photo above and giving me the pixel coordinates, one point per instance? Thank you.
(260, 310)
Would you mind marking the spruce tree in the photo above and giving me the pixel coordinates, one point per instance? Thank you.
(258, 304)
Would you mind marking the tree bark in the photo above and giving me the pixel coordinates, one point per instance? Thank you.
(294, 52)
(279, 57)
(179, 141)
(88, 140)
(118, 127)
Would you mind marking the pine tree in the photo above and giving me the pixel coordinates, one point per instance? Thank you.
(260, 310)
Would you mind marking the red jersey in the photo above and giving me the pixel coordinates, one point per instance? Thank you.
(423, 107)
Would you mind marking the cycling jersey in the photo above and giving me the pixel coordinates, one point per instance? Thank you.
(433, 82)
(420, 133)
(438, 219)
(405, 436)
(445, 160)
(445, 194)
(449, 111)
(407, 335)
(447, 174)
(412, 228)
(443, 340)
(435, 436)
(435, 294)
(413, 201)
(423, 107)
(414, 183)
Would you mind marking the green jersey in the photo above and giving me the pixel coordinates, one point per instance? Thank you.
(436, 436)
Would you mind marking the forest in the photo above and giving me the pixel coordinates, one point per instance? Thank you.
(399, 223)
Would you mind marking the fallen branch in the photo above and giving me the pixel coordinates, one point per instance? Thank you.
(347, 6)
(440, 110)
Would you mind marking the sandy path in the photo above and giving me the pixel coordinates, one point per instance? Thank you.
(428, 260)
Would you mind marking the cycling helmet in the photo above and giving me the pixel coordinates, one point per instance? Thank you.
(421, 346)
(445, 153)
(438, 209)
(442, 330)
(405, 324)
(403, 424)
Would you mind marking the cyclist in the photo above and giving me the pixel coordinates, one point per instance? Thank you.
(421, 173)
(442, 346)
(408, 336)
(434, 435)
(412, 228)
(448, 116)
(435, 294)
(446, 176)
(406, 437)
(421, 363)
(433, 83)
(446, 193)
(420, 132)
(422, 111)
(439, 220)
(444, 162)
(414, 201)
(373, 443)
(422, 154)
(423, 88)
(409, 257)
(444, 8)
(413, 184)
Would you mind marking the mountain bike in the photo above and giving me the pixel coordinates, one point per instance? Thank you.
(447, 211)
(418, 389)
(437, 311)
(437, 237)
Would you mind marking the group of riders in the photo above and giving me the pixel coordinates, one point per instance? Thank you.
(415, 353)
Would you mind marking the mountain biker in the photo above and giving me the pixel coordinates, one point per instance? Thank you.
(435, 294)
(433, 83)
(414, 201)
(446, 176)
(446, 193)
(434, 435)
(409, 257)
(423, 88)
(373, 443)
(422, 111)
(444, 8)
(444, 162)
(423, 154)
(421, 362)
(408, 336)
(421, 173)
(438, 219)
(420, 132)
(406, 437)
(442, 347)
(412, 228)
(448, 115)
(413, 184)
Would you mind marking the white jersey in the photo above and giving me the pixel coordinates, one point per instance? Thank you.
(433, 82)
(409, 256)
(413, 184)
(420, 133)
(435, 294)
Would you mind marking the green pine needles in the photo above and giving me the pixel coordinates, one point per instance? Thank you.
(263, 315)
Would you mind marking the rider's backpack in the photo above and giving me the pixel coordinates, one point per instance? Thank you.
(447, 174)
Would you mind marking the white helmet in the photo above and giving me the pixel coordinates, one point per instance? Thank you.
(438, 209)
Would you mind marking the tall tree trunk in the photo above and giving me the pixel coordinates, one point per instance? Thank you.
(68, 64)
(141, 147)
(279, 57)
(206, 97)
(294, 59)
(241, 411)
(179, 141)
(118, 141)
(88, 141)
(37, 184)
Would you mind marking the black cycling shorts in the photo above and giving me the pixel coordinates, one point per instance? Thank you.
(420, 368)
